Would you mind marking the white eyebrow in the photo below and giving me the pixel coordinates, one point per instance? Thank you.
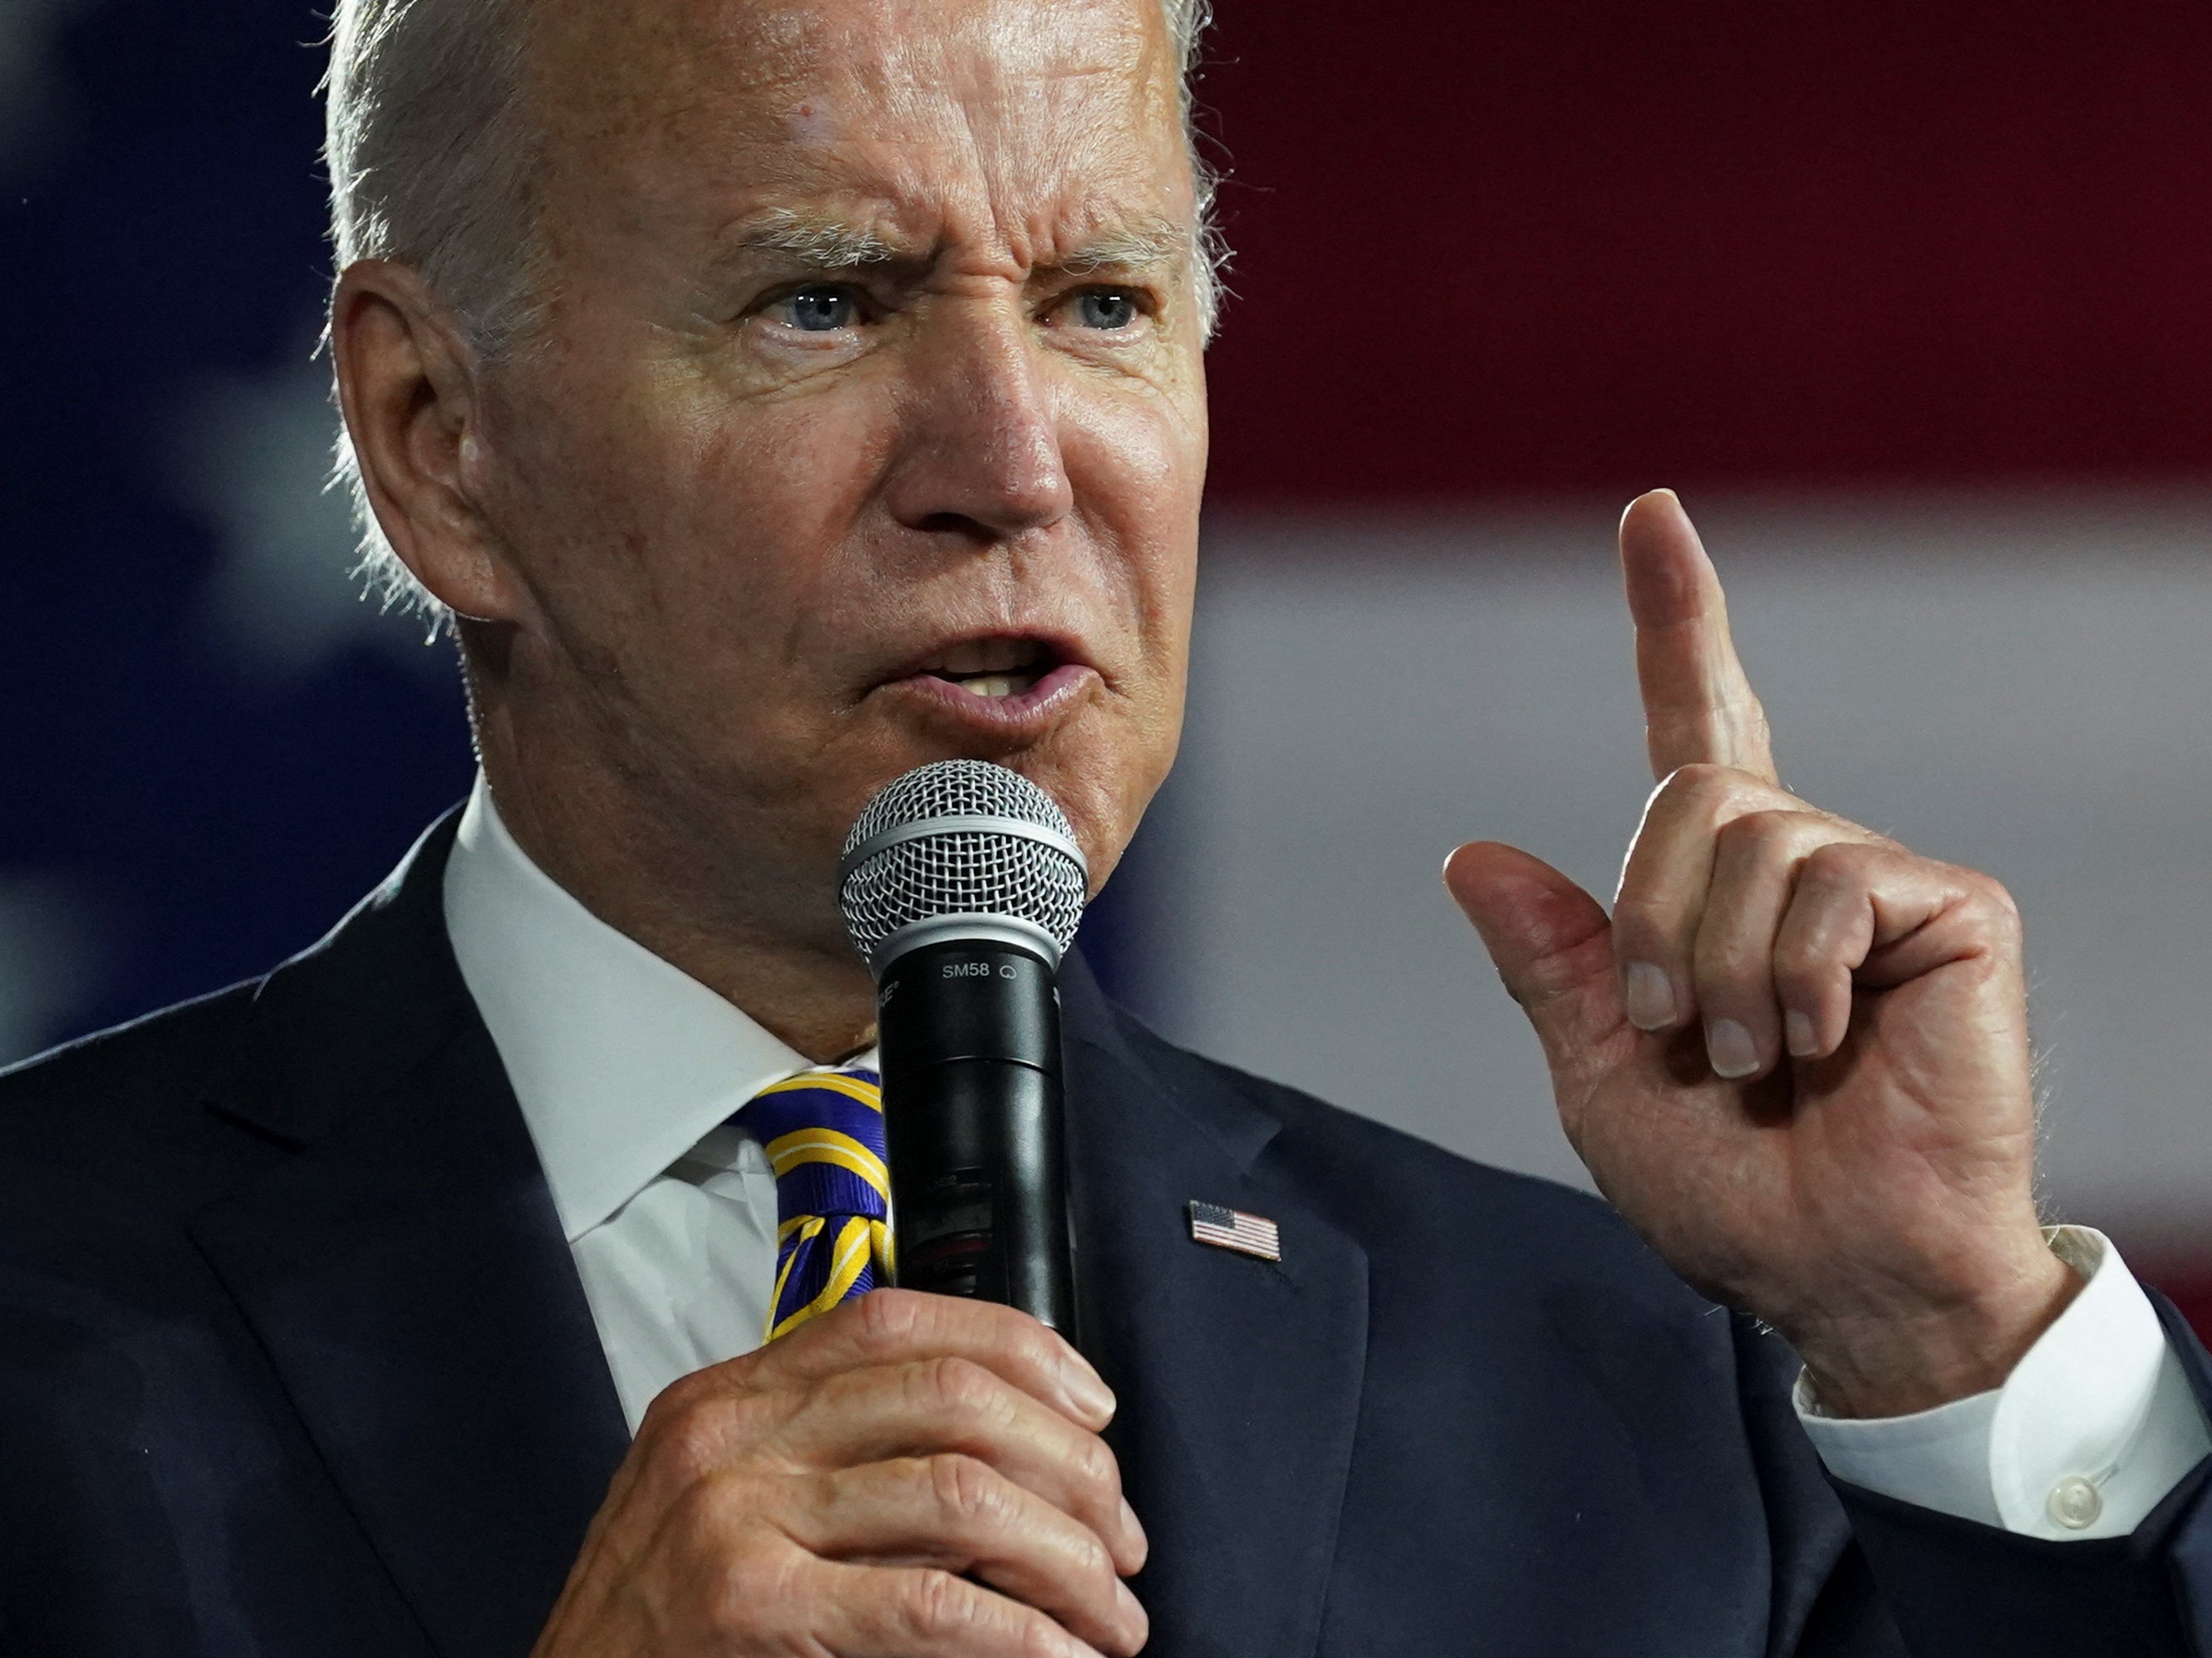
(1131, 247)
(826, 244)
(829, 244)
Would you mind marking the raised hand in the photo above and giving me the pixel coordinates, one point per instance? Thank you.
(1795, 1057)
(906, 1475)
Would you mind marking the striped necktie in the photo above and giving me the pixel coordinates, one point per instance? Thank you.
(824, 1134)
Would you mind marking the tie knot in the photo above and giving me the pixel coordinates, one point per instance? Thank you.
(824, 1134)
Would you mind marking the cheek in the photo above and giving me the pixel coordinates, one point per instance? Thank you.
(741, 483)
(659, 497)
(1138, 445)
(1138, 465)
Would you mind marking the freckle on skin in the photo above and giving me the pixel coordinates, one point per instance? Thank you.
(811, 122)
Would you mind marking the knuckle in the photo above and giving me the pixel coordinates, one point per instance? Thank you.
(1036, 1636)
(1799, 961)
(1649, 926)
(936, 1605)
(1781, 837)
(1839, 865)
(752, 1596)
(959, 1386)
(1769, 828)
(1643, 916)
(1726, 948)
(712, 1512)
(695, 1436)
(1996, 898)
(1670, 798)
(1724, 973)
(1034, 1346)
(676, 1396)
(1095, 1467)
(1997, 911)
(676, 1402)
(1698, 778)
(1092, 1560)
(1704, 792)
(722, 1558)
(963, 1486)
(890, 1320)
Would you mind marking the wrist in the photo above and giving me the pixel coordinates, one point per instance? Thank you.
(1917, 1356)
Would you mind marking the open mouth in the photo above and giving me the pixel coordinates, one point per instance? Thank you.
(993, 668)
(1000, 688)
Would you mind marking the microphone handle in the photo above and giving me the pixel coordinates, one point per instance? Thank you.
(968, 1036)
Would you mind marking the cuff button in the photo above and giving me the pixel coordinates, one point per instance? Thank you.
(2075, 1503)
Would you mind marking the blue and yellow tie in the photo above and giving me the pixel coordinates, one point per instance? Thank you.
(824, 1134)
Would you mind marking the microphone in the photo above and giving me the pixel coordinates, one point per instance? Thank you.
(961, 884)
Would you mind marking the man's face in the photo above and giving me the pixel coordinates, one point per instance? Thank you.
(868, 427)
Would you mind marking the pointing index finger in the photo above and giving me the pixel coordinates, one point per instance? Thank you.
(1699, 708)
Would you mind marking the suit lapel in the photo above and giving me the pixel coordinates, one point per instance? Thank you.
(1239, 1380)
(407, 1274)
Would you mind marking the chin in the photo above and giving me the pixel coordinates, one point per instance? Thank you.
(1097, 762)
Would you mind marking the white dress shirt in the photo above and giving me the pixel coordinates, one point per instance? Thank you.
(627, 1071)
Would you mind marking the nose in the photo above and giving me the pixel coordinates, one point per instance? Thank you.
(981, 456)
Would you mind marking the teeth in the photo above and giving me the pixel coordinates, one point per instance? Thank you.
(988, 685)
(989, 658)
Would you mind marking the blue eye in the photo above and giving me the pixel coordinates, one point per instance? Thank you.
(821, 309)
(1107, 308)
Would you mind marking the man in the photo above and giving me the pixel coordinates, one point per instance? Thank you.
(778, 394)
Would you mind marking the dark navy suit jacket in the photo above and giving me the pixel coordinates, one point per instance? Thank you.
(293, 1360)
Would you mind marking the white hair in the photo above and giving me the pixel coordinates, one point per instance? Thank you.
(432, 161)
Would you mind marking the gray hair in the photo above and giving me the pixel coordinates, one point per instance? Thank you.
(433, 162)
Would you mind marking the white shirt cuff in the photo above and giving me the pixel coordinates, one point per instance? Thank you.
(2096, 1424)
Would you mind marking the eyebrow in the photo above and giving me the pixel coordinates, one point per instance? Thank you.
(832, 244)
(826, 244)
(1129, 247)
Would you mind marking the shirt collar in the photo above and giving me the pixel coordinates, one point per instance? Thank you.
(620, 1061)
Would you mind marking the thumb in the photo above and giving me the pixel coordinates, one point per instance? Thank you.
(1552, 941)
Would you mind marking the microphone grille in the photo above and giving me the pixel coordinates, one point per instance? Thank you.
(960, 838)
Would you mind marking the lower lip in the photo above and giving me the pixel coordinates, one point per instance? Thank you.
(1022, 714)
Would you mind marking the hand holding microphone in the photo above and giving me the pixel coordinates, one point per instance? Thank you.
(907, 1474)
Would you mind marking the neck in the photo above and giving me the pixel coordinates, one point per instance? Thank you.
(706, 907)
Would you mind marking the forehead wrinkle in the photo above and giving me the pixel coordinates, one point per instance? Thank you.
(893, 172)
(651, 67)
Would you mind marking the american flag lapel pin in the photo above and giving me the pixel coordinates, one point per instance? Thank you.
(1232, 1229)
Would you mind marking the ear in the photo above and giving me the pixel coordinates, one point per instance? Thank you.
(408, 387)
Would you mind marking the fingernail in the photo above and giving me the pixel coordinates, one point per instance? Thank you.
(1798, 1030)
(1133, 1611)
(1648, 996)
(1090, 1395)
(1731, 1049)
